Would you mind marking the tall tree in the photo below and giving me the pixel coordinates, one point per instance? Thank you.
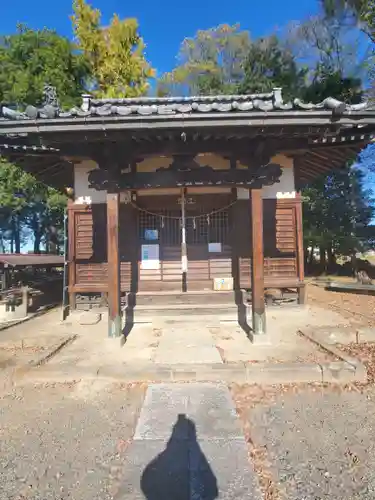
(336, 210)
(28, 205)
(209, 63)
(269, 64)
(360, 13)
(15, 191)
(31, 58)
(324, 46)
(114, 53)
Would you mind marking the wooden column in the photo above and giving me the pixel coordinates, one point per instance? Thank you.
(71, 256)
(257, 263)
(114, 280)
(300, 251)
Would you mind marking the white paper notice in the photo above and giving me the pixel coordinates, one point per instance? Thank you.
(150, 257)
(214, 247)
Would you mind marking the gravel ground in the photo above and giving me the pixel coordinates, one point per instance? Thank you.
(311, 443)
(65, 441)
(357, 309)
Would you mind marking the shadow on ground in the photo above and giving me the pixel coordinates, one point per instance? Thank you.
(159, 480)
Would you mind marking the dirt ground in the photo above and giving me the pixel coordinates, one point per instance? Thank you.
(359, 310)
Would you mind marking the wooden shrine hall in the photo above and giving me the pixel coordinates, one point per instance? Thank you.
(184, 194)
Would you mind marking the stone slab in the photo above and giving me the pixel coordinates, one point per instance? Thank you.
(340, 372)
(163, 403)
(187, 470)
(221, 469)
(211, 409)
(284, 373)
(155, 470)
(208, 406)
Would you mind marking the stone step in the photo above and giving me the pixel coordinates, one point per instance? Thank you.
(192, 298)
(181, 312)
(208, 316)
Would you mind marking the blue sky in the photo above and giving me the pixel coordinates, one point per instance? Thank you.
(164, 27)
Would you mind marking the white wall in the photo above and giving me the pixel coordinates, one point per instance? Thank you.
(82, 192)
(283, 189)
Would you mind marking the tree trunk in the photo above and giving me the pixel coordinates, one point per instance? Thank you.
(354, 262)
(311, 256)
(37, 232)
(51, 240)
(37, 242)
(17, 234)
(331, 259)
(323, 259)
(15, 242)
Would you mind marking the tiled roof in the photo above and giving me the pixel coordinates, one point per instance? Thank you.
(146, 106)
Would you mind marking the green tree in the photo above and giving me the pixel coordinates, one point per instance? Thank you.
(269, 64)
(336, 210)
(28, 205)
(44, 217)
(15, 191)
(30, 58)
(115, 54)
(360, 13)
(209, 63)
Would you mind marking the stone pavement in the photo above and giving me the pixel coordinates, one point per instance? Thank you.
(187, 344)
(196, 343)
(188, 444)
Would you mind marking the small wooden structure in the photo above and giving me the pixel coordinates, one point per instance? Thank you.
(10, 263)
(181, 193)
(27, 280)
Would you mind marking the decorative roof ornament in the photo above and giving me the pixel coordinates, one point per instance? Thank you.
(50, 108)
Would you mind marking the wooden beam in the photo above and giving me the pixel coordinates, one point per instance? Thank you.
(300, 250)
(114, 280)
(257, 263)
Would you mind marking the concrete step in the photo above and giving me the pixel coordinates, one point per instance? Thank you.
(180, 314)
(188, 298)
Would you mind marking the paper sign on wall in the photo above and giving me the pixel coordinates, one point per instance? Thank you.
(150, 257)
(214, 247)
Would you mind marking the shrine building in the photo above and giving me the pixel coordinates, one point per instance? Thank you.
(190, 194)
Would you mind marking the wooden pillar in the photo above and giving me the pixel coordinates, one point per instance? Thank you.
(71, 256)
(114, 281)
(300, 251)
(257, 263)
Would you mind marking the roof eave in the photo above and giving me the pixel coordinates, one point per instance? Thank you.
(251, 119)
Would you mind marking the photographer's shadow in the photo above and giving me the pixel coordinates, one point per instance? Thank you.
(165, 479)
